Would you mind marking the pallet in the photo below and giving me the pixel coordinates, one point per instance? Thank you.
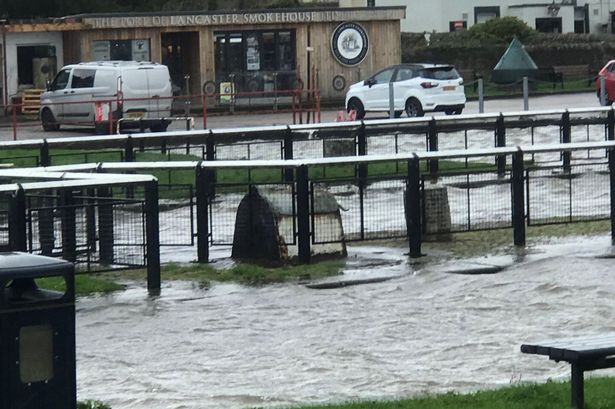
(31, 101)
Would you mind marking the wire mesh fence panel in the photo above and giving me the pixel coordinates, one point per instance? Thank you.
(308, 149)
(222, 213)
(558, 197)
(129, 237)
(411, 142)
(591, 193)
(177, 222)
(247, 151)
(452, 140)
(16, 160)
(80, 232)
(80, 156)
(478, 201)
(383, 209)
(348, 197)
(4, 227)
(588, 133)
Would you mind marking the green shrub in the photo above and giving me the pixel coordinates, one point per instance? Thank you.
(502, 30)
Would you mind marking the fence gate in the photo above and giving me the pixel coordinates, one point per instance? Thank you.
(96, 231)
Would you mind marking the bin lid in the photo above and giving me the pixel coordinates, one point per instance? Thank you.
(25, 265)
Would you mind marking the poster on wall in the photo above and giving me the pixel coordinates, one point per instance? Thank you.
(101, 51)
(253, 58)
(140, 50)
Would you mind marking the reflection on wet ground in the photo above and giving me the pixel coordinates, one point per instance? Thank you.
(425, 330)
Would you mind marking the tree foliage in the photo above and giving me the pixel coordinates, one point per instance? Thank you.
(502, 30)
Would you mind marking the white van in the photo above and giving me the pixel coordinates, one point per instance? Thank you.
(138, 91)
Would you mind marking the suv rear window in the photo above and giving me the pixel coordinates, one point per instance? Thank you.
(440, 73)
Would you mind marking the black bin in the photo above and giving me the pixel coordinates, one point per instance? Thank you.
(37, 333)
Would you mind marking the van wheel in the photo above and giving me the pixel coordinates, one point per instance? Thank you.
(453, 111)
(398, 114)
(48, 121)
(414, 108)
(355, 104)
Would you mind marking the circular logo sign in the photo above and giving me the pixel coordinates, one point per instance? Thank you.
(349, 43)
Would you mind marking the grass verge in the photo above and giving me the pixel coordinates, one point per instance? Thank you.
(599, 394)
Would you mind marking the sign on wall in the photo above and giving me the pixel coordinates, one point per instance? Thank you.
(140, 50)
(349, 43)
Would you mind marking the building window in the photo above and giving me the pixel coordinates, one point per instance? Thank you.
(549, 25)
(121, 50)
(482, 14)
(256, 60)
(371, 3)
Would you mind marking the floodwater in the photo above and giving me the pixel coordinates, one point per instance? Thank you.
(426, 330)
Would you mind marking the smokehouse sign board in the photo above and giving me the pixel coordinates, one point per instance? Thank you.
(242, 18)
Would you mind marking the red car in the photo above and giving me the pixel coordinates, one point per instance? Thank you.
(608, 72)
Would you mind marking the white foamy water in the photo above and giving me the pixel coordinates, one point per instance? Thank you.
(232, 346)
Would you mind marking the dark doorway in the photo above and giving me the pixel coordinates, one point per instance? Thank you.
(180, 52)
(549, 25)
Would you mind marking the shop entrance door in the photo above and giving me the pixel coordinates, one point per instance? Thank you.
(180, 52)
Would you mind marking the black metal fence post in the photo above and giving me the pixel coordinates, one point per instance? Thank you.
(610, 125)
(18, 237)
(46, 229)
(432, 146)
(105, 224)
(303, 214)
(152, 233)
(129, 150)
(611, 153)
(500, 142)
(413, 207)
(90, 218)
(202, 214)
(518, 198)
(362, 151)
(288, 153)
(69, 226)
(566, 138)
(44, 158)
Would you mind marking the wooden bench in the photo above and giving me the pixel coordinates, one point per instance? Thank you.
(583, 354)
(574, 72)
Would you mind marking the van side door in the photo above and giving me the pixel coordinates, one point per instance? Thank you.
(57, 94)
(79, 107)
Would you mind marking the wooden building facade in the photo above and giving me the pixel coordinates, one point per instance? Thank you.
(257, 51)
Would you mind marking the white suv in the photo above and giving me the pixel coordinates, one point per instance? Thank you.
(417, 88)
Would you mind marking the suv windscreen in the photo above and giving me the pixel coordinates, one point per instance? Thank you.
(440, 73)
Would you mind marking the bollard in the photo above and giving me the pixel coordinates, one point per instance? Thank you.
(603, 96)
(526, 92)
(391, 101)
(481, 96)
